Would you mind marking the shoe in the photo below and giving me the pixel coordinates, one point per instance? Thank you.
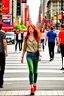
(32, 91)
(32, 94)
(62, 68)
(35, 88)
(1, 86)
(51, 59)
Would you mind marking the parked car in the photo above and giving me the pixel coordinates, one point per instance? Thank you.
(10, 37)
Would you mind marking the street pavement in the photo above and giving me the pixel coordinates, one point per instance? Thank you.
(50, 77)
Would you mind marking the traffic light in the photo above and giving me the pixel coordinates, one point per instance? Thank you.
(18, 8)
(0, 10)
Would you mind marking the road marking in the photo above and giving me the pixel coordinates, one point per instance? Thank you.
(40, 71)
(39, 78)
(25, 67)
(37, 93)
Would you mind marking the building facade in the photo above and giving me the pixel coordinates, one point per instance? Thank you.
(14, 11)
(0, 10)
(53, 8)
(44, 8)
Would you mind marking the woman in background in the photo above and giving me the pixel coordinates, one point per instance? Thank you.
(43, 36)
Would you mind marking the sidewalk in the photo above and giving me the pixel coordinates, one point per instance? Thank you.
(37, 93)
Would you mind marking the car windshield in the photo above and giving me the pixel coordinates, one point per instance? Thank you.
(9, 34)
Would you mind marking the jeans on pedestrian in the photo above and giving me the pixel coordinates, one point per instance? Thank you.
(42, 41)
(62, 52)
(20, 44)
(51, 46)
(32, 62)
(2, 67)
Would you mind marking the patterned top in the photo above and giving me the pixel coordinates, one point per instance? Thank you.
(30, 46)
(2, 36)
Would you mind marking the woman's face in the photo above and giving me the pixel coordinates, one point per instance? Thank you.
(42, 29)
(31, 30)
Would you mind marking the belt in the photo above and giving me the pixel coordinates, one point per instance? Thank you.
(31, 52)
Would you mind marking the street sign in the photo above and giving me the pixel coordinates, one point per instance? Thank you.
(5, 6)
(7, 21)
(59, 16)
(6, 17)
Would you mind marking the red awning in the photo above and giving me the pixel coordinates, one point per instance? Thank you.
(6, 27)
(45, 21)
(50, 25)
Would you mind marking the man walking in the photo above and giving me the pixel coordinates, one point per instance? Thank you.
(51, 36)
(3, 53)
(19, 40)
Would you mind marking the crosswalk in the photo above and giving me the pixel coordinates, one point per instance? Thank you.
(49, 74)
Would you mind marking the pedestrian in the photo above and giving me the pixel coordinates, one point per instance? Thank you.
(60, 42)
(43, 36)
(51, 36)
(19, 40)
(31, 46)
(3, 53)
(16, 40)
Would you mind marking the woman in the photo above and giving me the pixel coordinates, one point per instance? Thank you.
(31, 46)
(60, 41)
(43, 35)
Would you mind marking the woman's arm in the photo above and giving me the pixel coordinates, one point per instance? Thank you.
(24, 49)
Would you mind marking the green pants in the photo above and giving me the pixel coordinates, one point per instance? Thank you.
(32, 61)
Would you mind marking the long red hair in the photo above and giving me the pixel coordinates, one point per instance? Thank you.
(42, 27)
(36, 32)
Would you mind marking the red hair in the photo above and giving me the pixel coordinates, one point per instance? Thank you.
(36, 32)
(43, 27)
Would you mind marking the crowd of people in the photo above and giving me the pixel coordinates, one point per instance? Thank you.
(33, 39)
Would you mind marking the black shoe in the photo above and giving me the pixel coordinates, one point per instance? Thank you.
(62, 68)
(1, 86)
(31, 94)
(51, 59)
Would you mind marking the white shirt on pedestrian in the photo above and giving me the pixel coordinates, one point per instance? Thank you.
(43, 35)
(19, 36)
